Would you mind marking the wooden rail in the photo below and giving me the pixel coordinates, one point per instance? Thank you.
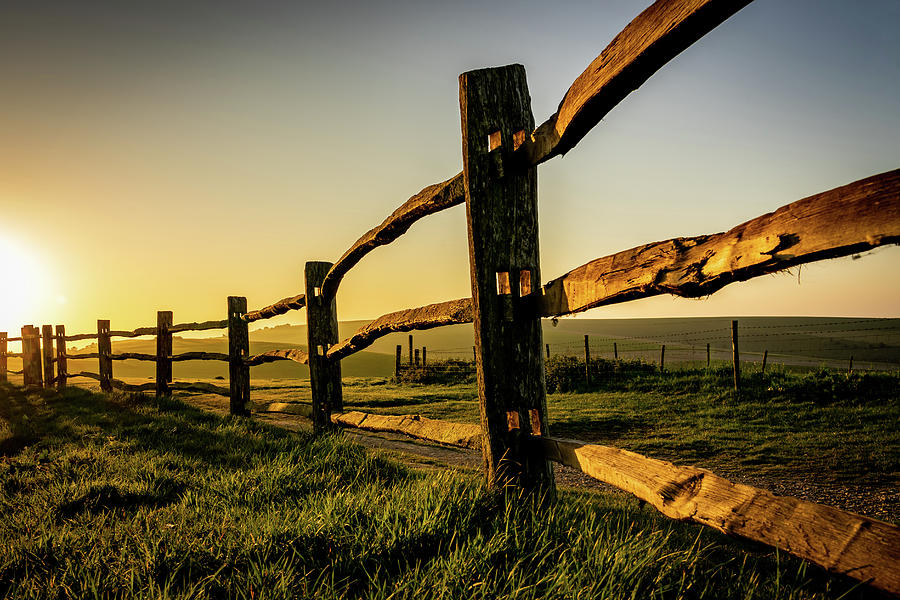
(839, 222)
(444, 432)
(279, 308)
(424, 317)
(298, 356)
(199, 356)
(204, 326)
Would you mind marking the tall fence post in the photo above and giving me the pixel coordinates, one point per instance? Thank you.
(410, 350)
(62, 367)
(662, 358)
(104, 351)
(238, 350)
(3, 364)
(416, 361)
(548, 350)
(850, 370)
(736, 356)
(31, 357)
(322, 333)
(424, 355)
(501, 212)
(164, 320)
(397, 366)
(587, 360)
(615, 351)
(765, 359)
(47, 352)
(707, 355)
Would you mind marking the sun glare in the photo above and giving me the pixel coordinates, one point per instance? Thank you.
(24, 285)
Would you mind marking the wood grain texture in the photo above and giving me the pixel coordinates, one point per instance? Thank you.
(842, 542)
(163, 352)
(104, 354)
(840, 222)
(652, 39)
(423, 317)
(321, 334)
(62, 365)
(4, 365)
(298, 356)
(238, 351)
(502, 225)
(433, 430)
(47, 353)
(200, 356)
(429, 201)
(31, 356)
(279, 308)
(203, 326)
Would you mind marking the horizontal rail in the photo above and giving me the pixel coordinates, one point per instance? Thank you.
(647, 43)
(81, 336)
(429, 201)
(842, 542)
(13, 339)
(132, 356)
(424, 317)
(14, 355)
(843, 221)
(199, 356)
(22, 372)
(134, 333)
(444, 432)
(279, 308)
(86, 355)
(298, 356)
(87, 374)
(204, 326)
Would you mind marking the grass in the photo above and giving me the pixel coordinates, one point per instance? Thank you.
(116, 496)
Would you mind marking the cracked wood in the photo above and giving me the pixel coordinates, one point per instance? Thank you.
(279, 308)
(444, 432)
(297, 356)
(424, 317)
(840, 222)
(842, 542)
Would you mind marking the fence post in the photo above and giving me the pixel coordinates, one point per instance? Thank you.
(548, 350)
(397, 364)
(615, 351)
(736, 356)
(164, 352)
(850, 370)
(707, 355)
(587, 360)
(416, 362)
(410, 350)
(322, 333)
(662, 358)
(62, 368)
(31, 357)
(765, 358)
(3, 364)
(104, 350)
(47, 352)
(238, 350)
(424, 355)
(501, 214)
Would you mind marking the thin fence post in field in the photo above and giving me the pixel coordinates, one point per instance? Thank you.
(164, 320)
(104, 353)
(707, 355)
(765, 359)
(548, 350)
(662, 358)
(238, 350)
(410, 350)
(31, 357)
(3, 364)
(501, 214)
(62, 367)
(397, 363)
(736, 356)
(416, 362)
(424, 355)
(322, 333)
(850, 370)
(47, 352)
(587, 360)
(615, 351)
(474, 355)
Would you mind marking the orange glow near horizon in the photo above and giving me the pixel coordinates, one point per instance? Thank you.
(25, 285)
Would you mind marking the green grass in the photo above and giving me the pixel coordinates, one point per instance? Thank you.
(107, 497)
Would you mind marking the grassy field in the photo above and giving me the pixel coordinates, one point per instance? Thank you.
(106, 497)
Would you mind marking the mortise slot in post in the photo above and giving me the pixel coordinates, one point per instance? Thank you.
(320, 350)
(317, 291)
(512, 420)
(535, 421)
(524, 282)
(503, 287)
(519, 138)
(494, 141)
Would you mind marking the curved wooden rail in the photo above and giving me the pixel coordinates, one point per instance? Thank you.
(132, 356)
(298, 356)
(429, 201)
(86, 355)
(843, 221)
(204, 326)
(13, 339)
(652, 39)
(11, 372)
(14, 355)
(424, 317)
(279, 308)
(842, 542)
(444, 432)
(134, 333)
(87, 374)
(81, 336)
(200, 356)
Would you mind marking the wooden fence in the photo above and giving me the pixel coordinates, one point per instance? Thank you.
(502, 148)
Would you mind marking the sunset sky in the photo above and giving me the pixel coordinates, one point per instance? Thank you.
(165, 155)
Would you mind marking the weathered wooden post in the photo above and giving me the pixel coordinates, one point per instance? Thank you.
(47, 351)
(548, 350)
(765, 358)
(662, 358)
(397, 363)
(238, 350)
(164, 352)
(31, 357)
(4, 336)
(410, 350)
(707, 355)
(736, 356)
(587, 360)
(424, 355)
(416, 362)
(615, 351)
(850, 370)
(501, 212)
(62, 368)
(104, 352)
(322, 333)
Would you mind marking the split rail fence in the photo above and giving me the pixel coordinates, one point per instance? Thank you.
(501, 150)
